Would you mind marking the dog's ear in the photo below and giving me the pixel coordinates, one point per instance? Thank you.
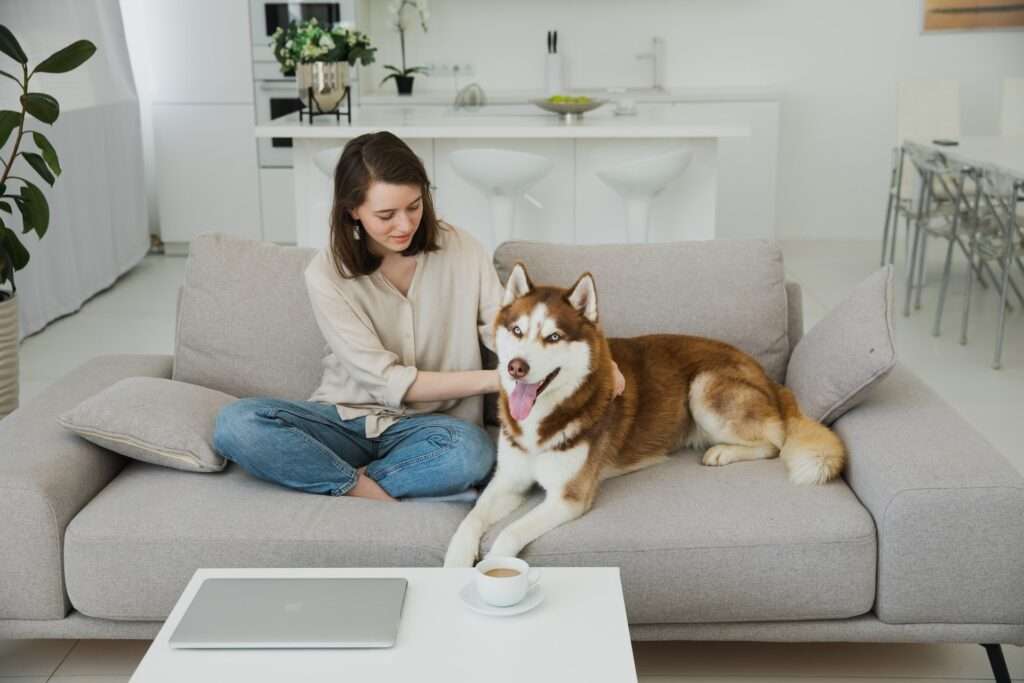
(583, 297)
(518, 284)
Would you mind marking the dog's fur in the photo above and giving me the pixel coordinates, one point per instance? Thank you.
(681, 391)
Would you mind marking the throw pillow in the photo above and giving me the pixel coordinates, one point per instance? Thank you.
(847, 353)
(155, 420)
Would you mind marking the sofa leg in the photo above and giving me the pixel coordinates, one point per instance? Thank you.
(995, 658)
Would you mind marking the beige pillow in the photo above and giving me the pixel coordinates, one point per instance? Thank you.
(847, 353)
(159, 421)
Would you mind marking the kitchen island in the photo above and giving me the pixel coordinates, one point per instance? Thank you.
(575, 206)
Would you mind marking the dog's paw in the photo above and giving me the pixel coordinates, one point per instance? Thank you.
(717, 456)
(462, 551)
(504, 546)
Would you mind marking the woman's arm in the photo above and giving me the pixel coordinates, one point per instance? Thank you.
(441, 386)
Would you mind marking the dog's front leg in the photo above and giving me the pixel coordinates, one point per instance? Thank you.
(505, 492)
(554, 511)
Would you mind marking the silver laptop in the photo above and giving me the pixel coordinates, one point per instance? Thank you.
(292, 613)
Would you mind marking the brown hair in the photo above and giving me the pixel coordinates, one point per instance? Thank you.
(369, 158)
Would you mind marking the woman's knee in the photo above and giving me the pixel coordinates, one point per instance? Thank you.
(478, 452)
(237, 426)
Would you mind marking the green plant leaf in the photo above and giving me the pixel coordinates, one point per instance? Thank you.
(9, 120)
(35, 209)
(388, 78)
(4, 206)
(15, 249)
(68, 58)
(42, 106)
(36, 162)
(10, 47)
(49, 153)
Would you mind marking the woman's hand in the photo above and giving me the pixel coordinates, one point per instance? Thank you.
(620, 381)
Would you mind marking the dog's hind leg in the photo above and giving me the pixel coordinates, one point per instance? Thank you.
(741, 420)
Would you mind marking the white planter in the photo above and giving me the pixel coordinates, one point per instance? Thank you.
(8, 356)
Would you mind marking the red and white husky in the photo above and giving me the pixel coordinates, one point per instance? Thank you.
(561, 427)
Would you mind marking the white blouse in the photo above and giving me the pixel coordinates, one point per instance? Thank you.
(377, 338)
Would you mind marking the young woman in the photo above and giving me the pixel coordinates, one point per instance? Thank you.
(403, 301)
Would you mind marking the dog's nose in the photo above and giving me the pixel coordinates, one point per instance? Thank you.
(518, 368)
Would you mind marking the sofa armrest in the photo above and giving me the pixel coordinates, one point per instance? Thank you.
(949, 509)
(48, 474)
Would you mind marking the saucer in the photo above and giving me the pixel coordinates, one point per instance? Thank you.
(472, 600)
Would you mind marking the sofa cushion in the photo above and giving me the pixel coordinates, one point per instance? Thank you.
(245, 325)
(730, 290)
(695, 544)
(153, 419)
(847, 353)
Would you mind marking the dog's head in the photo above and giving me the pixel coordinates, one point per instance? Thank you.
(546, 338)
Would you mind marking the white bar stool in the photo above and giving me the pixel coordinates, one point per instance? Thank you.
(503, 175)
(639, 181)
(327, 160)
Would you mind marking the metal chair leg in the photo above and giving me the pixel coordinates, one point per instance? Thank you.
(970, 262)
(1010, 236)
(918, 230)
(949, 257)
(921, 268)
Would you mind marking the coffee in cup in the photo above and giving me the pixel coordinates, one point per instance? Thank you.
(504, 581)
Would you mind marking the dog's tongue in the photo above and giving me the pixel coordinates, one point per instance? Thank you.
(521, 399)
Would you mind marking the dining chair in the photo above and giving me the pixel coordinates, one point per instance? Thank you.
(926, 110)
(998, 239)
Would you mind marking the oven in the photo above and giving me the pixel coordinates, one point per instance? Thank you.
(276, 96)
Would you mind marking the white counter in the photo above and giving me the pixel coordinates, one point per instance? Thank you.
(503, 121)
(575, 205)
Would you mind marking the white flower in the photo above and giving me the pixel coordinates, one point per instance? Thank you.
(351, 40)
(289, 44)
(313, 21)
(346, 25)
(327, 42)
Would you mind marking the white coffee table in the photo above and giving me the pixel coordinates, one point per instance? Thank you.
(578, 633)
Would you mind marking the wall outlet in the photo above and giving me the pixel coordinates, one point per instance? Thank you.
(449, 69)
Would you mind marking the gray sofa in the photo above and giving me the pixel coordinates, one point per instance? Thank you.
(922, 540)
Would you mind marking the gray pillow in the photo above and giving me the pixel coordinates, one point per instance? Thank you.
(847, 353)
(159, 421)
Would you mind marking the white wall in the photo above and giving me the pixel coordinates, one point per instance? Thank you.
(836, 64)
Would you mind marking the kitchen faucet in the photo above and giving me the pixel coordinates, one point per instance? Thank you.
(656, 46)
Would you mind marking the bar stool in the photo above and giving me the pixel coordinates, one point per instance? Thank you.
(639, 182)
(327, 159)
(503, 175)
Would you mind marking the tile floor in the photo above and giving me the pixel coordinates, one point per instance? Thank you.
(137, 315)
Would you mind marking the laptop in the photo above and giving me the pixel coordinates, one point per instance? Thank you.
(292, 613)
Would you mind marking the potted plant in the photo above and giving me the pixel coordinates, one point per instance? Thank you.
(320, 57)
(404, 76)
(29, 199)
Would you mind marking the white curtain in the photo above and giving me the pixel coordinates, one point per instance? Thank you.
(98, 215)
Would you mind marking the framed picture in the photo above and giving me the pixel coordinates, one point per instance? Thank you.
(966, 15)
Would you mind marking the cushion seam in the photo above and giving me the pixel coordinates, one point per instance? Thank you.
(133, 441)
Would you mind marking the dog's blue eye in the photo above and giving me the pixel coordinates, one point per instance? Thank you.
(516, 331)
(553, 337)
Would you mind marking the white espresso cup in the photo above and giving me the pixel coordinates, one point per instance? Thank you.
(502, 588)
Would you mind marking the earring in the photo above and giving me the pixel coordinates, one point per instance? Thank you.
(355, 230)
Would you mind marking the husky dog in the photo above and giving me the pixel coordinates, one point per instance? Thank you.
(562, 427)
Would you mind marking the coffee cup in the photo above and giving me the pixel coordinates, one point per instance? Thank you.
(504, 581)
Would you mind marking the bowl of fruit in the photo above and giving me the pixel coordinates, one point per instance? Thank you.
(569, 106)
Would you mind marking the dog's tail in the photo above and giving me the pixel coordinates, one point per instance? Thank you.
(812, 452)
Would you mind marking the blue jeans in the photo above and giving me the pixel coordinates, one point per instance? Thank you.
(305, 445)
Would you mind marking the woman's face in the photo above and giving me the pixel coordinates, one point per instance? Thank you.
(391, 215)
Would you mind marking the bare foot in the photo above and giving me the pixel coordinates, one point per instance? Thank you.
(368, 488)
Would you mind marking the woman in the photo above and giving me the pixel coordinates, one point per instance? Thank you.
(403, 301)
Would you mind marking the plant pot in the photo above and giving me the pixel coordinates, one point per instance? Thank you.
(8, 356)
(328, 80)
(404, 84)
